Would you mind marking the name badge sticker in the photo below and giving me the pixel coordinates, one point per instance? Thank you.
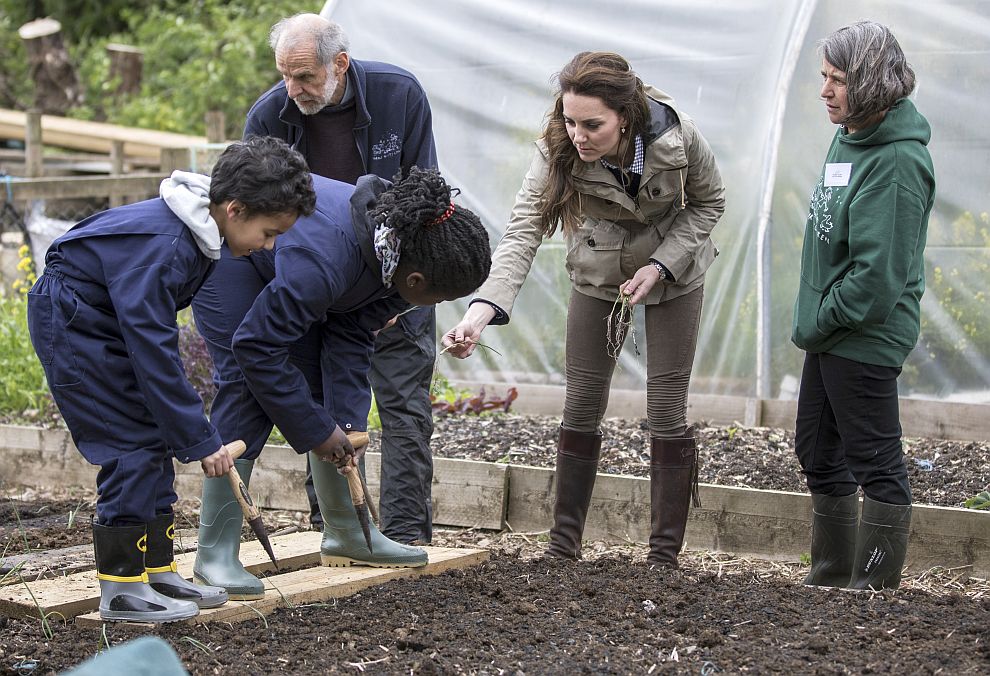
(837, 174)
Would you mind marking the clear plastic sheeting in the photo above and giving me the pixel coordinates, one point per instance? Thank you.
(748, 73)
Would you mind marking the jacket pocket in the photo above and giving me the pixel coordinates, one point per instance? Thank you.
(661, 196)
(594, 253)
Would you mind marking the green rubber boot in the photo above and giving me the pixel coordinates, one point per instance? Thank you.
(833, 539)
(343, 540)
(881, 545)
(220, 521)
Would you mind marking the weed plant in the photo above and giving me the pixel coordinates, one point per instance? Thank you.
(23, 387)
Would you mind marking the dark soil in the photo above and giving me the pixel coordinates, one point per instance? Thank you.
(941, 472)
(614, 615)
(519, 614)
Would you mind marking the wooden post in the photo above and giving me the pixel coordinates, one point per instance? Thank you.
(174, 159)
(33, 164)
(125, 63)
(116, 169)
(56, 87)
(215, 126)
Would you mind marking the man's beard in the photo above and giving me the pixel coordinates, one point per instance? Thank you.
(313, 106)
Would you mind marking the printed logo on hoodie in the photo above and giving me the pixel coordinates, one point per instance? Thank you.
(823, 200)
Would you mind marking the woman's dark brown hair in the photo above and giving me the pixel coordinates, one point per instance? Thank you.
(606, 76)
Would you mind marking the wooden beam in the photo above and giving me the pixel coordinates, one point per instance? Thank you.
(33, 146)
(83, 186)
(742, 521)
(80, 592)
(64, 132)
(465, 493)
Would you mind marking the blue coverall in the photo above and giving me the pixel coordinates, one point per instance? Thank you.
(291, 331)
(102, 319)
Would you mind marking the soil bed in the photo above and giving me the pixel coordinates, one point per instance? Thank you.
(941, 472)
(608, 614)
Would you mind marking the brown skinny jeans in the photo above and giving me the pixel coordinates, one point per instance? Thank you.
(671, 339)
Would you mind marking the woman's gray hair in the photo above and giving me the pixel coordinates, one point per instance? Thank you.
(329, 37)
(877, 72)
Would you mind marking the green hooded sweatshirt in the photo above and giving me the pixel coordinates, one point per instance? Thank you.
(862, 266)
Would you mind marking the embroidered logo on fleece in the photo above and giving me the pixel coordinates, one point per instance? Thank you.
(387, 146)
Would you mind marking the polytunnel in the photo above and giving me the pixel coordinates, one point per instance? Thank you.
(748, 73)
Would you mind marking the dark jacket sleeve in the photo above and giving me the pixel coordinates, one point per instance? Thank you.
(305, 287)
(145, 300)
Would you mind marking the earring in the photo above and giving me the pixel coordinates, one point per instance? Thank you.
(622, 130)
(410, 284)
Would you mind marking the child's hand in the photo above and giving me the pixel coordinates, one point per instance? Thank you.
(217, 464)
(336, 449)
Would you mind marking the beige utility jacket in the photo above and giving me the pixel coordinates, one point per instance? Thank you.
(680, 199)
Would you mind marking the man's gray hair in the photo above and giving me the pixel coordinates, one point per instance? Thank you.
(329, 38)
(877, 72)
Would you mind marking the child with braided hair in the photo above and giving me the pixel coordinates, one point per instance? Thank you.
(299, 350)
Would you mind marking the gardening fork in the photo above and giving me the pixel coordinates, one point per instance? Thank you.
(359, 489)
(251, 513)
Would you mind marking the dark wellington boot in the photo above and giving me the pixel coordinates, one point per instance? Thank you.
(577, 465)
(125, 594)
(673, 483)
(881, 545)
(833, 539)
(163, 576)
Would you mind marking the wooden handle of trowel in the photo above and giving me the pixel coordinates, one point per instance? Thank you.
(357, 439)
(235, 449)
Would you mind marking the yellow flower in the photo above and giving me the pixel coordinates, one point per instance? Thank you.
(24, 251)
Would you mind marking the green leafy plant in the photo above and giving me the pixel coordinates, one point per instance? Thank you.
(979, 501)
(23, 387)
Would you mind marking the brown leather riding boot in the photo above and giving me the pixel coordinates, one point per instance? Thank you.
(577, 464)
(673, 482)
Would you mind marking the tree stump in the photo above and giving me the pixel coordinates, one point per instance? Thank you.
(56, 87)
(125, 63)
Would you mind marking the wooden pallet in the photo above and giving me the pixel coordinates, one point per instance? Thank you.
(318, 585)
(78, 594)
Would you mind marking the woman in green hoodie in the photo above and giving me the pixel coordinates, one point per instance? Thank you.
(858, 309)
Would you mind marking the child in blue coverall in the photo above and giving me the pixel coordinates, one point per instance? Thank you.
(102, 319)
(291, 335)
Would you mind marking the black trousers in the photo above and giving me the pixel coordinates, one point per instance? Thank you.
(848, 430)
(401, 371)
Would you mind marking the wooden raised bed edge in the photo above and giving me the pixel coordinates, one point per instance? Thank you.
(742, 521)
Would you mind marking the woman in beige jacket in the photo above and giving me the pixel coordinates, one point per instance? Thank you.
(635, 189)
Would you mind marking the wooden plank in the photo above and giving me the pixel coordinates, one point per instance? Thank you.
(318, 585)
(65, 132)
(742, 521)
(80, 592)
(143, 184)
(67, 560)
(780, 413)
(465, 493)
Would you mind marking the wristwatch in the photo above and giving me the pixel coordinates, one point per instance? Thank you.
(660, 268)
